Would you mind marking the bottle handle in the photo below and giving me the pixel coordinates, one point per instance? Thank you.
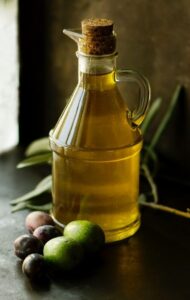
(136, 116)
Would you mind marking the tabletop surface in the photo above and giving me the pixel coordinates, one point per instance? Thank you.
(154, 264)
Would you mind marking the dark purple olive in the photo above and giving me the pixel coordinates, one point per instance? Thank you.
(36, 219)
(34, 267)
(46, 232)
(27, 244)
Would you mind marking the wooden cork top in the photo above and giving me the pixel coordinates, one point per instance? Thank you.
(98, 37)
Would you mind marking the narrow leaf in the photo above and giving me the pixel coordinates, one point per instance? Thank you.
(38, 146)
(35, 160)
(18, 207)
(151, 113)
(166, 117)
(46, 182)
(44, 207)
(43, 186)
(26, 196)
(25, 205)
(149, 158)
(163, 123)
(152, 154)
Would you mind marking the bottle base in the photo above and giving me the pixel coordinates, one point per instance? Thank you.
(115, 235)
(122, 233)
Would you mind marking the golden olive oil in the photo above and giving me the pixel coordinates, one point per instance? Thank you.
(96, 159)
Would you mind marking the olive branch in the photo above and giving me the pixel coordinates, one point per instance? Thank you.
(39, 152)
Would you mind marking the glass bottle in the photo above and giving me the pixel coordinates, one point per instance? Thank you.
(96, 143)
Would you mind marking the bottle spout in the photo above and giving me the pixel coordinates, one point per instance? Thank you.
(74, 34)
(95, 37)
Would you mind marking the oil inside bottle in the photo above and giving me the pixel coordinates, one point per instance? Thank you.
(96, 159)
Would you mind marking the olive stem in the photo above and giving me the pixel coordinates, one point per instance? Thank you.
(166, 209)
(151, 182)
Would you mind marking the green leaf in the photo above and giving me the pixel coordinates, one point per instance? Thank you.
(150, 115)
(45, 207)
(163, 123)
(35, 160)
(151, 153)
(25, 205)
(42, 187)
(166, 117)
(18, 207)
(38, 146)
(46, 182)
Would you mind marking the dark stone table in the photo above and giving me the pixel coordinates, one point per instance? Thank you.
(152, 265)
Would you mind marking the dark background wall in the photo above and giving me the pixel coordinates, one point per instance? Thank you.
(153, 37)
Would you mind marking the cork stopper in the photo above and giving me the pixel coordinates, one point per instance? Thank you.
(98, 37)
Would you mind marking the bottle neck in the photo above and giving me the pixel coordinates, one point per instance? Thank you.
(96, 71)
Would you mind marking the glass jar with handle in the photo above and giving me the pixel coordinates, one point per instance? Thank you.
(96, 143)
